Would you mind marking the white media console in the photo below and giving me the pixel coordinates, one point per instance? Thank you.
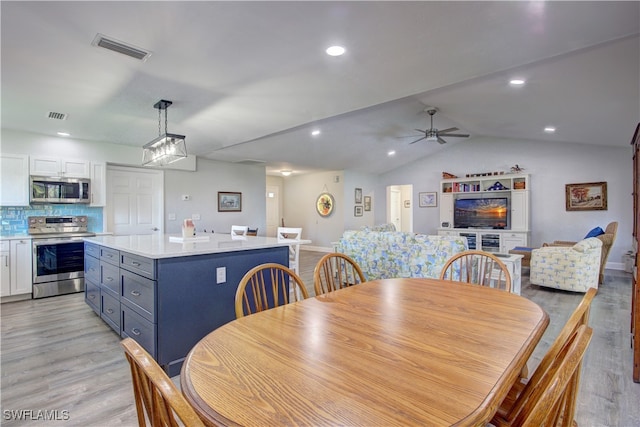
(512, 187)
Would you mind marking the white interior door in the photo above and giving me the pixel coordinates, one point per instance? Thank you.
(135, 200)
(273, 210)
(395, 207)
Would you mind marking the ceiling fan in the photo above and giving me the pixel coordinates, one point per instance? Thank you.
(432, 134)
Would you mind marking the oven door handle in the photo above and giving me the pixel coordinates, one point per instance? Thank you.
(56, 242)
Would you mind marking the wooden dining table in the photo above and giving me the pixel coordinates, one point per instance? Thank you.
(381, 353)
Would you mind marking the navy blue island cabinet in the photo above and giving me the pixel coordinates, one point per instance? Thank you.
(168, 304)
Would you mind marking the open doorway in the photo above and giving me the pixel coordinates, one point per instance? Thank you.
(400, 206)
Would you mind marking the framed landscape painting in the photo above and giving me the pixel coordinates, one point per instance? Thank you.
(229, 201)
(590, 196)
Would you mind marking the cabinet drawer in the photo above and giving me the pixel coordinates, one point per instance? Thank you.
(110, 277)
(137, 264)
(139, 293)
(92, 296)
(110, 311)
(110, 255)
(138, 328)
(92, 269)
(92, 249)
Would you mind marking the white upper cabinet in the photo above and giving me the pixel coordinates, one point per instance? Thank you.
(52, 166)
(98, 183)
(14, 180)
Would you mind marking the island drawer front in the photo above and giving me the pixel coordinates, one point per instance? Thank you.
(139, 293)
(92, 295)
(92, 269)
(110, 311)
(138, 328)
(110, 255)
(137, 264)
(110, 277)
(91, 249)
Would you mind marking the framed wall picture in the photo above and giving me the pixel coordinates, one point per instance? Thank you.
(324, 204)
(358, 196)
(229, 201)
(357, 211)
(590, 196)
(367, 203)
(428, 199)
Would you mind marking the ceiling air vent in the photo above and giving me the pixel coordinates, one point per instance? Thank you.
(57, 116)
(117, 46)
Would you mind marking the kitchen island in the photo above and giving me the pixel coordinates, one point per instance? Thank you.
(168, 295)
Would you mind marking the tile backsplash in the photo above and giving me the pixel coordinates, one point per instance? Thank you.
(14, 218)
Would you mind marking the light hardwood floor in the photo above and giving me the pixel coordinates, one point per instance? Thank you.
(56, 354)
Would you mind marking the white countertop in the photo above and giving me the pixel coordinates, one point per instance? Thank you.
(156, 247)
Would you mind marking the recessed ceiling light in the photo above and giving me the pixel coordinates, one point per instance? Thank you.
(315, 132)
(285, 172)
(63, 133)
(335, 50)
(391, 153)
(516, 82)
(549, 129)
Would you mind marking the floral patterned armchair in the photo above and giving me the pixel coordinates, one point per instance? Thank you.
(573, 268)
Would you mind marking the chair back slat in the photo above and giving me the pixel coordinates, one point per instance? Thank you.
(336, 271)
(266, 286)
(479, 268)
(157, 399)
(548, 404)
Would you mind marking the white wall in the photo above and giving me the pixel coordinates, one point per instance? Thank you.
(300, 194)
(367, 183)
(550, 165)
(203, 187)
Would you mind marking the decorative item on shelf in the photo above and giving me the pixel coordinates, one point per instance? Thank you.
(516, 168)
(447, 175)
(497, 186)
(519, 185)
(167, 147)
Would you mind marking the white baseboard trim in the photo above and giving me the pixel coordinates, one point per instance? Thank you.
(614, 266)
(315, 248)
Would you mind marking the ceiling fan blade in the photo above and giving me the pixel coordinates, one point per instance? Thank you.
(447, 130)
(420, 139)
(457, 135)
(441, 141)
(421, 131)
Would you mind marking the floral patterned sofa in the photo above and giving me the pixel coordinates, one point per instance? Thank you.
(575, 268)
(388, 254)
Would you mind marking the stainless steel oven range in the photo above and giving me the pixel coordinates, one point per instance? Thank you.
(58, 254)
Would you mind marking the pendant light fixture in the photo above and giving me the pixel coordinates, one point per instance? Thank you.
(167, 147)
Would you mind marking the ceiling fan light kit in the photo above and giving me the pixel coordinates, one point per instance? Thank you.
(166, 148)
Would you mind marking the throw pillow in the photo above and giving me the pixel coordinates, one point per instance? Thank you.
(595, 232)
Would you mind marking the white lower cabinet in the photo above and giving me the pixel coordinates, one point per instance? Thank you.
(16, 268)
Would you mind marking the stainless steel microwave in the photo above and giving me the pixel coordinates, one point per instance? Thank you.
(47, 189)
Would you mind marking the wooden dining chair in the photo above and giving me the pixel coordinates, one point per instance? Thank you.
(523, 388)
(266, 286)
(336, 271)
(479, 268)
(158, 400)
(548, 404)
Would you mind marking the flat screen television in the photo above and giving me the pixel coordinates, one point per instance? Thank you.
(481, 213)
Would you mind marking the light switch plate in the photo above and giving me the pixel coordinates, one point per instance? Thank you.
(221, 275)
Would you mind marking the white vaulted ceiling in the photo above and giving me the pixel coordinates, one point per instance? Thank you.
(250, 80)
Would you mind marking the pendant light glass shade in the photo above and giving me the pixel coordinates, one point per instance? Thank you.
(166, 148)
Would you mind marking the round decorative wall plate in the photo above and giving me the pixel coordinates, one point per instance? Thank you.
(324, 204)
